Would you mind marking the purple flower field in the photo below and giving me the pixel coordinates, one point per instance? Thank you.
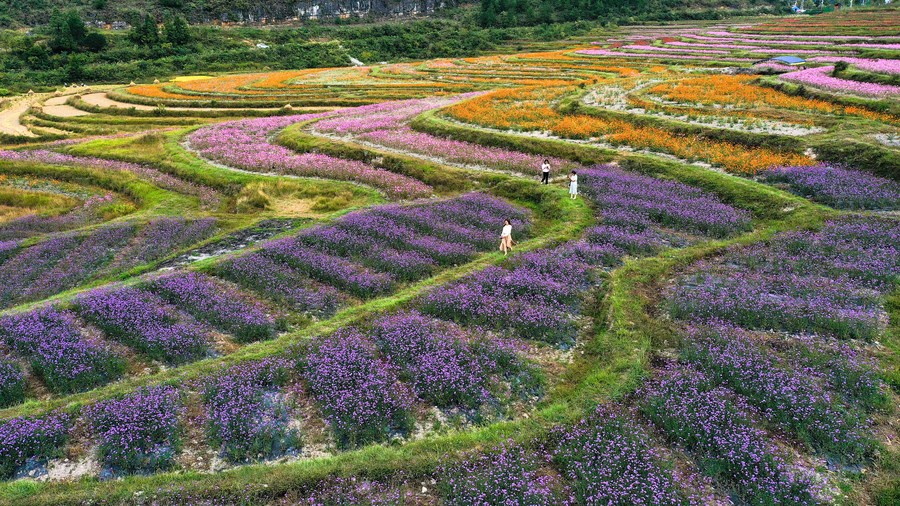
(632, 200)
(244, 415)
(692, 413)
(60, 355)
(803, 282)
(369, 253)
(441, 366)
(88, 212)
(282, 283)
(610, 460)
(69, 260)
(12, 383)
(145, 322)
(360, 393)
(139, 432)
(223, 307)
(510, 474)
(784, 395)
(838, 187)
(209, 197)
(27, 439)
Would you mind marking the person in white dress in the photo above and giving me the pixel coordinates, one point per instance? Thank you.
(573, 184)
(506, 240)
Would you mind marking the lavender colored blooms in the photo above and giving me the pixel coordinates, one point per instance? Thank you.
(60, 355)
(844, 368)
(343, 492)
(19, 271)
(27, 439)
(71, 259)
(330, 269)
(31, 225)
(7, 248)
(609, 460)
(829, 281)
(359, 392)
(685, 406)
(535, 299)
(224, 307)
(839, 187)
(442, 368)
(245, 415)
(509, 474)
(160, 237)
(81, 263)
(778, 302)
(368, 253)
(144, 321)
(279, 281)
(12, 383)
(139, 432)
(663, 203)
(783, 394)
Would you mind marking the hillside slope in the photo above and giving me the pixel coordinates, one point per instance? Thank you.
(106, 12)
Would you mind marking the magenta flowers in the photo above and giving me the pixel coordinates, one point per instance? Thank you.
(244, 144)
(820, 77)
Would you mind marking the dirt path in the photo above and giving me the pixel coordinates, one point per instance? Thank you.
(10, 123)
(102, 100)
(56, 106)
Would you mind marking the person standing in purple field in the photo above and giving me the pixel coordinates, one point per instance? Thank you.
(506, 240)
(545, 172)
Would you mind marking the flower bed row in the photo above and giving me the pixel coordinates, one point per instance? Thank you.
(63, 262)
(537, 295)
(365, 381)
(207, 195)
(390, 128)
(804, 282)
(168, 319)
(814, 288)
(245, 145)
(838, 187)
(367, 254)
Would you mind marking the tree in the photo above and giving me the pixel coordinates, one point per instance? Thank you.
(95, 42)
(176, 31)
(145, 32)
(76, 26)
(488, 14)
(61, 38)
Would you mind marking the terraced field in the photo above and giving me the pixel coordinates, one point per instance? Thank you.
(285, 288)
